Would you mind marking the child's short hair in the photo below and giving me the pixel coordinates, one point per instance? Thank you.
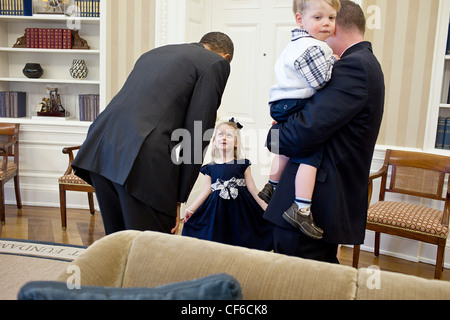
(300, 5)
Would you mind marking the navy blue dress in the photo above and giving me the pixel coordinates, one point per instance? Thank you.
(230, 215)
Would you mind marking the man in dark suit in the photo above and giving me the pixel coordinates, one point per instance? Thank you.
(128, 153)
(344, 118)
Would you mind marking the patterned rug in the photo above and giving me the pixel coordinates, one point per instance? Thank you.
(25, 261)
(44, 250)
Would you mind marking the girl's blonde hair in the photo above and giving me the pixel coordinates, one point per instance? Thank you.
(300, 5)
(238, 154)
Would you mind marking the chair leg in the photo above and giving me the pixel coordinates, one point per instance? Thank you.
(439, 262)
(2, 205)
(377, 244)
(62, 204)
(17, 189)
(356, 252)
(91, 203)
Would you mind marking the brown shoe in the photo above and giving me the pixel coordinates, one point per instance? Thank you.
(266, 193)
(303, 219)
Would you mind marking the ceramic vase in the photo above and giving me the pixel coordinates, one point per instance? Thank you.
(79, 69)
(33, 70)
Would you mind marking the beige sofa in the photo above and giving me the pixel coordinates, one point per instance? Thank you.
(135, 259)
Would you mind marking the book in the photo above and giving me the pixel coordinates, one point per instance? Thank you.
(2, 104)
(16, 7)
(88, 8)
(7, 105)
(27, 7)
(46, 38)
(89, 107)
(447, 134)
(440, 133)
(13, 104)
(19, 104)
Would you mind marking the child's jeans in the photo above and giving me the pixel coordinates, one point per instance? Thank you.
(284, 109)
(281, 111)
(314, 160)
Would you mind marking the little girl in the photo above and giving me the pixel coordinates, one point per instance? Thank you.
(229, 209)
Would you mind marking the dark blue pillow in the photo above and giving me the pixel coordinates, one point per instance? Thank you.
(216, 287)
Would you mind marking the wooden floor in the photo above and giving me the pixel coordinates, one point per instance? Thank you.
(44, 224)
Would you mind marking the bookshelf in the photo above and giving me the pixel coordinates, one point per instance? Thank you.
(439, 107)
(42, 139)
(55, 62)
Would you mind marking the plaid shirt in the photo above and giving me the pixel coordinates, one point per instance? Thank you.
(313, 64)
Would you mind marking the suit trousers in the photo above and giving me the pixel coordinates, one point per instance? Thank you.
(294, 243)
(121, 211)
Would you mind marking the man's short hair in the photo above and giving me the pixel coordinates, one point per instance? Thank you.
(351, 17)
(219, 42)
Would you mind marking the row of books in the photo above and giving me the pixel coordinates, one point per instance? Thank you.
(40, 38)
(88, 8)
(84, 8)
(89, 106)
(13, 104)
(16, 7)
(443, 134)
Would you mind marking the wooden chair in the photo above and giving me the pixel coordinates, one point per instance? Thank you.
(9, 147)
(415, 174)
(70, 182)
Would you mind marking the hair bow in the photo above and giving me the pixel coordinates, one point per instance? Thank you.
(240, 126)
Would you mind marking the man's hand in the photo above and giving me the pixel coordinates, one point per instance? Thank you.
(177, 225)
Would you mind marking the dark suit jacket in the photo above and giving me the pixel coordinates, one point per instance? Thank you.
(130, 143)
(345, 118)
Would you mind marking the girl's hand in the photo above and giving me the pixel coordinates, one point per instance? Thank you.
(188, 214)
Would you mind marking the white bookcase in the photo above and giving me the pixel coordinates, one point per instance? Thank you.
(56, 63)
(42, 139)
(439, 105)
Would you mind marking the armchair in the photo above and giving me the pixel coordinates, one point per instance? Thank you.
(9, 147)
(70, 182)
(414, 174)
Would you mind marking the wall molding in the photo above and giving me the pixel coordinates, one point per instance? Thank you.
(170, 22)
(162, 23)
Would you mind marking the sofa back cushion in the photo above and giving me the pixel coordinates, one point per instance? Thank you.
(156, 259)
(134, 259)
(376, 285)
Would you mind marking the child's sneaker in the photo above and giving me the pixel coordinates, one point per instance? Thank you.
(303, 219)
(266, 193)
